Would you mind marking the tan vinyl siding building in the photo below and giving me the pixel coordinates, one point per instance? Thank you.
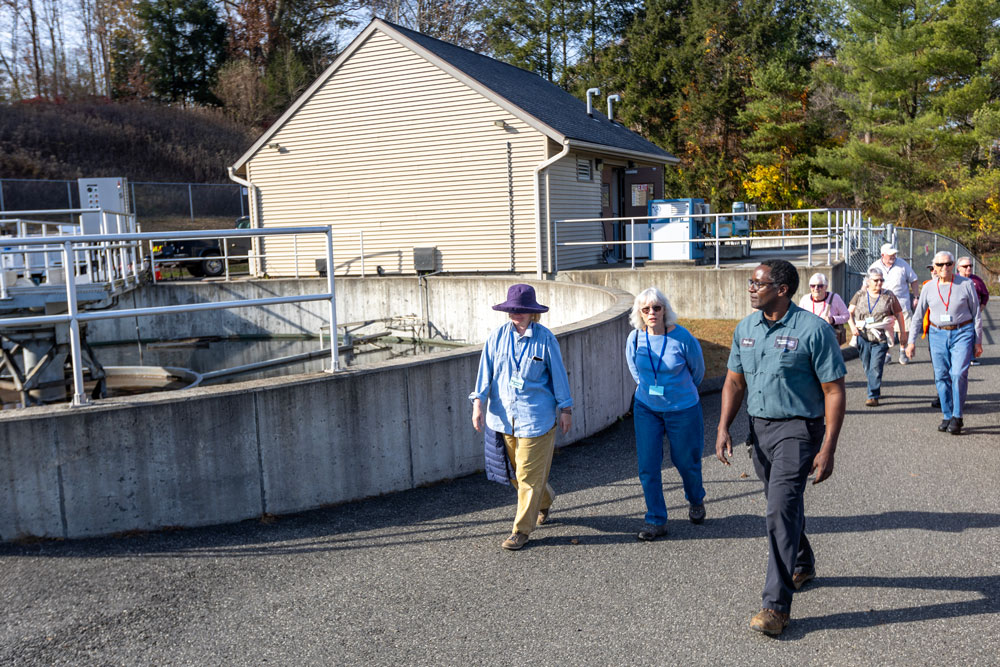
(395, 148)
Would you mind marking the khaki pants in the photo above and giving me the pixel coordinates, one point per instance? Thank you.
(532, 460)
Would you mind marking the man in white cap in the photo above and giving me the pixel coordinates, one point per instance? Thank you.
(899, 279)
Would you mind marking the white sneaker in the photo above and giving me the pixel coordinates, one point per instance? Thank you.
(903, 360)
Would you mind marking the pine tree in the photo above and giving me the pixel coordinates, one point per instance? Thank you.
(186, 46)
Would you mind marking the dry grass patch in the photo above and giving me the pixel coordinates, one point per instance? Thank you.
(716, 338)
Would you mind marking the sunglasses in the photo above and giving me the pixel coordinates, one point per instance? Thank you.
(876, 280)
(965, 266)
(816, 286)
(654, 309)
(943, 263)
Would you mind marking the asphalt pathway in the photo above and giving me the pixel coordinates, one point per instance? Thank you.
(906, 532)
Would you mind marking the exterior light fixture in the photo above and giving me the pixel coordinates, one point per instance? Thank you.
(499, 123)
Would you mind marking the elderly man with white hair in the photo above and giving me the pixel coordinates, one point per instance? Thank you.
(955, 336)
(900, 278)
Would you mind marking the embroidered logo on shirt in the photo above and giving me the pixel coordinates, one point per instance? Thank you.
(748, 342)
(786, 342)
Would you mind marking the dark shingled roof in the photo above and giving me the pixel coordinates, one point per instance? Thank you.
(547, 102)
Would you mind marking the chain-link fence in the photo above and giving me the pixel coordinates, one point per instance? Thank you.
(156, 203)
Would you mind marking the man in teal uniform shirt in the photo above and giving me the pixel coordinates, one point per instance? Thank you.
(787, 364)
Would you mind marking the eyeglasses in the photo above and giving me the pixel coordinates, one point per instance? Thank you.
(816, 286)
(876, 280)
(757, 284)
(939, 264)
(654, 309)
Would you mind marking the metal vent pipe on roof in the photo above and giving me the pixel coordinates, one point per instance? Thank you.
(590, 102)
(612, 99)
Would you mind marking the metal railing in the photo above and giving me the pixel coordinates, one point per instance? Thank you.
(834, 223)
(69, 246)
(108, 262)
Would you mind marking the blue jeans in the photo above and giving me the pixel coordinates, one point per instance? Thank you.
(873, 359)
(686, 431)
(951, 353)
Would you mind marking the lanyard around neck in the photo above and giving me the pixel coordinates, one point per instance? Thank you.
(659, 358)
(813, 302)
(950, 286)
(518, 358)
(868, 295)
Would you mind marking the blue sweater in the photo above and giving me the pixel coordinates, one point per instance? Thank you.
(681, 368)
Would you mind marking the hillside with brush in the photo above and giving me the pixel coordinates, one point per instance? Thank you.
(141, 141)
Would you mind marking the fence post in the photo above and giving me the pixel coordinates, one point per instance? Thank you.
(335, 361)
(809, 240)
(782, 231)
(361, 242)
(1, 195)
(717, 248)
(828, 240)
(69, 195)
(632, 241)
(295, 255)
(79, 395)
(555, 247)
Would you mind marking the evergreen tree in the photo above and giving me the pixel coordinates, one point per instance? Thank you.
(186, 46)
(541, 36)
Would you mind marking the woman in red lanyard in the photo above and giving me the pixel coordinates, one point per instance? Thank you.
(872, 313)
(826, 305)
(667, 365)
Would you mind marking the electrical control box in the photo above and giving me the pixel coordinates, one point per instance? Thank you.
(108, 194)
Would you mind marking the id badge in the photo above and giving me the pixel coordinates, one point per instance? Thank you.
(516, 382)
(869, 320)
(655, 390)
(946, 318)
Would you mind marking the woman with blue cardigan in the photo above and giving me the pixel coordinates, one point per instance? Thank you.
(667, 365)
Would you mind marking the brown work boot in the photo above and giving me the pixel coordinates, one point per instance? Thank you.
(515, 541)
(769, 622)
(543, 516)
(800, 579)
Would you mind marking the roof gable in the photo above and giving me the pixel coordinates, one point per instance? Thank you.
(542, 104)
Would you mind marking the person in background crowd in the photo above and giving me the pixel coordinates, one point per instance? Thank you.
(524, 383)
(874, 312)
(964, 268)
(827, 305)
(956, 336)
(899, 279)
(787, 364)
(667, 365)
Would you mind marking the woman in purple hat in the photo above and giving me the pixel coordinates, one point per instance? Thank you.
(524, 385)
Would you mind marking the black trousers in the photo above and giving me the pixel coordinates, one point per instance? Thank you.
(783, 454)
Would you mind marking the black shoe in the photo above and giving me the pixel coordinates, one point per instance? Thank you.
(936, 403)
(955, 426)
(651, 531)
(943, 426)
(696, 513)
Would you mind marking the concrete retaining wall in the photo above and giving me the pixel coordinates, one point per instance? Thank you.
(699, 292)
(221, 454)
(457, 307)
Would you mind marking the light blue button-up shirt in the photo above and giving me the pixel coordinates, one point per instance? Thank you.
(528, 411)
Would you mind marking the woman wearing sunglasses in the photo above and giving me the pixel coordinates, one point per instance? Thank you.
(826, 305)
(873, 311)
(955, 336)
(667, 365)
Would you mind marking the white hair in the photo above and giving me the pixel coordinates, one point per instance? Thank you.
(818, 278)
(963, 259)
(649, 297)
(943, 253)
(875, 272)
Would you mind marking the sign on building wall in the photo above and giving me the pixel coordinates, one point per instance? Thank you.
(641, 193)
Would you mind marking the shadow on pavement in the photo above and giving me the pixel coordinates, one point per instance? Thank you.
(988, 589)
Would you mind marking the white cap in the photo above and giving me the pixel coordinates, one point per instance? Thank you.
(888, 249)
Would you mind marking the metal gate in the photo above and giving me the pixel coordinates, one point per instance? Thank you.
(864, 243)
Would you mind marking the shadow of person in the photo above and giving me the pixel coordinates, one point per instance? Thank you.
(987, 601)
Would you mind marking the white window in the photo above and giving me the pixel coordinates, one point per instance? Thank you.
(584, 170)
